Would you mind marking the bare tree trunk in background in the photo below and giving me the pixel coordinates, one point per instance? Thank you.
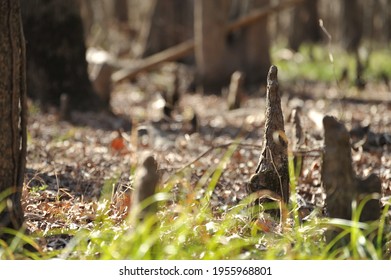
(170, 22)
(12, 114)
(210, 44)
(121, 11)
(352, 24)
(304, 25)
(381, 20)
(387, 20)
(56, 51)
(87, 14)
(256, 43)
(219, 54)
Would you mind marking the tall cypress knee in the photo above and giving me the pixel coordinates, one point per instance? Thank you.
(272, 171)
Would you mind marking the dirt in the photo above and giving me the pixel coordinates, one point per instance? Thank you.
(73, 165)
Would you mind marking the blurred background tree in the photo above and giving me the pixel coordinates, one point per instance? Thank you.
(133, 30)
(304, 25)
(56, 54)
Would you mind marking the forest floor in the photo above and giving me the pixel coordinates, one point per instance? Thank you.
(72, 165)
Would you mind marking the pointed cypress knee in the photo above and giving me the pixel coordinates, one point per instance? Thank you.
(235, 90)
(272, 171)
(146, 180)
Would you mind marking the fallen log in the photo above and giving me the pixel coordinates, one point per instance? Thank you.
(186, 48)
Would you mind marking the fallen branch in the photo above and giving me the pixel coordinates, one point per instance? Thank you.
(257, 15)
(170, 54)
(221, 146)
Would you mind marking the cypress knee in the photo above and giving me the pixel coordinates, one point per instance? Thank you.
(341, 184)
(272, 171)
(146, 180)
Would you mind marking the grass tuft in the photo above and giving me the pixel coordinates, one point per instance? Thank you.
(187, 227)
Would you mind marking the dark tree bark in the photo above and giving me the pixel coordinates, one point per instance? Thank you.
(304, 24)
(12, 114)
(272, 170)
(56, 51)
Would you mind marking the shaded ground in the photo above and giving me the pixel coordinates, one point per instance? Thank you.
(73, 165)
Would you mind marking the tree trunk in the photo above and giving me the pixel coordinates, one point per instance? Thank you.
(387, 20)
(56, 51)
(304, 24)
(255, 55)
(170, 22)
(121, 11)
(12, 114)
(352, 24)
(87, 14)
(210, 44)
(221, 50)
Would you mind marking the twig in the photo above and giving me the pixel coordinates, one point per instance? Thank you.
(221, 146)
(242, 145)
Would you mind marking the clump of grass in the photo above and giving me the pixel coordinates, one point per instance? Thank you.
(186, 228)
(15, 244)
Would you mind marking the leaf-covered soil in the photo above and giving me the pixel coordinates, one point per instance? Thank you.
(73, 165)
